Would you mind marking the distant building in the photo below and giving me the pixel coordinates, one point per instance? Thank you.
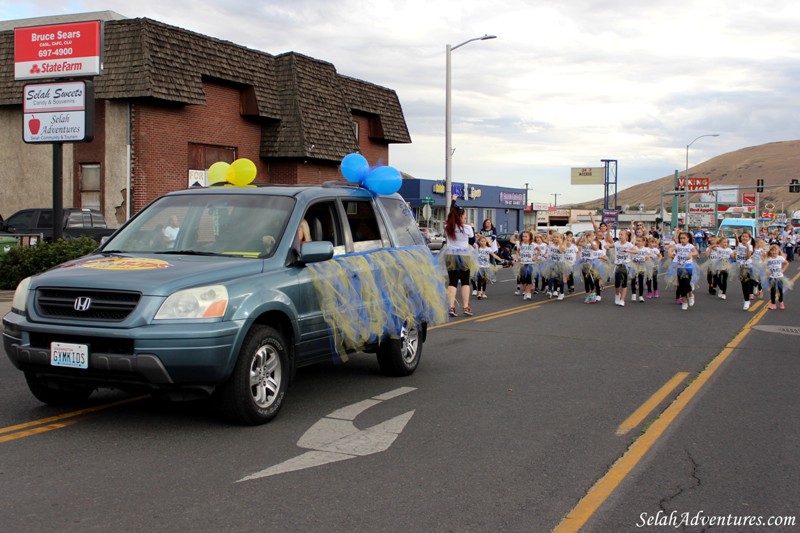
(503, 205)
(171, 102)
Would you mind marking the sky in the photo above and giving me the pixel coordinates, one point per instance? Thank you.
(565, 84)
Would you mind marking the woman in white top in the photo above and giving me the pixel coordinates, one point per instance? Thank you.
(459, 257)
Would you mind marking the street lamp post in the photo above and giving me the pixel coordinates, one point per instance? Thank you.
(448, 181)
(686, 177)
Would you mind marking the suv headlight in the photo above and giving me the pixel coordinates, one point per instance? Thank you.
(202, 302)
(21, 296)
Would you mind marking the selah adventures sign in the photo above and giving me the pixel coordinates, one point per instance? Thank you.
(58, 51)
(58, 112)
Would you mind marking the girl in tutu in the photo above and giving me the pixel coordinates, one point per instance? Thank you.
(583, 266)
(759, 267)
(485, 272)
(682, 255)
(653, 260)
(555, 268)
(526, 255)
(743, 255)
(622, 261)
(570, 257)
(639, 254)
(539, 258)
(459, 257)
(777, 265)
(721, 264)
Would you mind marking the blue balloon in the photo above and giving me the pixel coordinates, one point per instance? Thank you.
(354, 168)
(384, 180)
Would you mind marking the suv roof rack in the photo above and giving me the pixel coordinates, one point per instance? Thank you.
(331, 184)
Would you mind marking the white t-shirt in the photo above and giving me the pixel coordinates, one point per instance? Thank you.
(775, 266)
(571, 253)
(683, 254)
(526, 253)
(463, 235)
(483, 257)
(621, 255)
(171, 233)
(741, 253)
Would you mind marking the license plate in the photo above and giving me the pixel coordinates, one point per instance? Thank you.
(69, 355)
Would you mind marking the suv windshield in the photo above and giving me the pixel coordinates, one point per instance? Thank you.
(244, 225)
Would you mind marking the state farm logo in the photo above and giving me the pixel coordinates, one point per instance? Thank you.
(35, 69)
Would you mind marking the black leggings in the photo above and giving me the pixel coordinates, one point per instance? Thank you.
(621, 277)
(747, 286)
(652, 283)
(773, 284)
(454, 276)
(640, 278)
(721, 281)
(684, 282)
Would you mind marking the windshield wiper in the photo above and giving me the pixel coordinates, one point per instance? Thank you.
(188, 252)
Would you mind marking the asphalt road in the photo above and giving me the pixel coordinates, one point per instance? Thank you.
(516, 415)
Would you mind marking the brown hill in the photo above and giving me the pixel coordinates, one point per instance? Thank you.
(776, 163)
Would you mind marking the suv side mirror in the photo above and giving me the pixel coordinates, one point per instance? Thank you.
(316, 251)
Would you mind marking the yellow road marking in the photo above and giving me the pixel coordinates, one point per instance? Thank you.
(647, 407)
(601, 490)
(754, 307)
(56, 422)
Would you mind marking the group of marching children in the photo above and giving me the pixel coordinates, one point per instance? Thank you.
(549, 263)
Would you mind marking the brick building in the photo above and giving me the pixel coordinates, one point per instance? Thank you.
(171, 101)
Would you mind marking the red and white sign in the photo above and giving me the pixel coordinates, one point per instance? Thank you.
(695, 184)
(58, 51)
(748, 198)
(58, 112)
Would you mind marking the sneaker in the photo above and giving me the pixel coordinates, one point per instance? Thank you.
(622, 303)
(655, 294)
(691, 301)
(474, 292)
(485, 296)
(633, 297)
(678, 301)
(535, 291)
(780, 306)
(772, 306)
(684, 307)
(453, 311)
(549, 295)
(597, 298)
(641, 298)
(527, 296)
(468, 310)
(616, 299)
(593, 299)
(586, 300)
(722, 296)
(516, 292)
(649, 294)
(746, 305)
(560, 296)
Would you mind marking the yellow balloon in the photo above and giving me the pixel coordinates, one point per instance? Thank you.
(243, 172)
(217, 172)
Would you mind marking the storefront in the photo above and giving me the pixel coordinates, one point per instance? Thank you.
(502, 205)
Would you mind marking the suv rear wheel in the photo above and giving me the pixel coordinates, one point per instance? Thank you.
(254, 393)
(400, 357)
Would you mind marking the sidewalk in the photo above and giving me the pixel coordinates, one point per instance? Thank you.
(5, 302)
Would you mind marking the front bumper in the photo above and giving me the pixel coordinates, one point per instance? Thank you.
(163, 356)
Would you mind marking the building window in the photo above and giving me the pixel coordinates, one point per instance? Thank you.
(90, 185)
(355, 131)
(472, 216)
(202, 156)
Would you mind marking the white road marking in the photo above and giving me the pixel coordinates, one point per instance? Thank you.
(335, 438)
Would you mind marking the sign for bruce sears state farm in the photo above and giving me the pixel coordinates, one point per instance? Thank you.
(58, 51)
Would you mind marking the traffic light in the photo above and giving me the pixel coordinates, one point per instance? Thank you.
(794, 186)
(760, 185)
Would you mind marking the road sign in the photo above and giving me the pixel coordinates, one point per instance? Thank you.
(428, 200)
(58, 51)
(426, 212)
(748, 198)
(695, 184)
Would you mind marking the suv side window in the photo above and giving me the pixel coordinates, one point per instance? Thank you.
(324, 224)
(405, 226)
(22, 220)
(363, 225)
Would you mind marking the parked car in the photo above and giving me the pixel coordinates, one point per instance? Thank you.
(258, 282)
(78, 222)
(506, 239)
(433, 238)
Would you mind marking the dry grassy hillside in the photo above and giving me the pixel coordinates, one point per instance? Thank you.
(776, 163)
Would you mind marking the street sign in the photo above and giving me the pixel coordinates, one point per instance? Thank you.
(426, 212)
(695, 184)
(588, 176)
(748, 198)
(58, 112)
(428, 200)
(58, 51)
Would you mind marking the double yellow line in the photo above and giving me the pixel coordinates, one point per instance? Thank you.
(43, 425)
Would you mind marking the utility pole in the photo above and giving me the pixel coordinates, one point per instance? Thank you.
(555, 199)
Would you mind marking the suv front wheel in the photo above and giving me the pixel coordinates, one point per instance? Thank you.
(254, 393)
(400, 357)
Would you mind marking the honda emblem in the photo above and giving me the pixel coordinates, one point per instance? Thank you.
(82, 303)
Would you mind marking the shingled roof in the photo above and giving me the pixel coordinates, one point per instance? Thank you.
(305, 105)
